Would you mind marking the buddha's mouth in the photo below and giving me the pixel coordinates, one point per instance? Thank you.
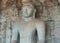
(29, 16)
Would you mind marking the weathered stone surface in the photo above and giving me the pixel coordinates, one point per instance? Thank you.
(50, 10)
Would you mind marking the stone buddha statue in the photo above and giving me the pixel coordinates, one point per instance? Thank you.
(31, 30)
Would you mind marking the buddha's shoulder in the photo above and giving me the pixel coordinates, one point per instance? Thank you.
(39, 22)
(17, 21)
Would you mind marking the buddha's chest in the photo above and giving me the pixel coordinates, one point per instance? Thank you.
(26, 33)
(26, 29)
(26, 26)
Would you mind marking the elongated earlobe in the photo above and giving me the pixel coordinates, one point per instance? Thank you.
(34, 13)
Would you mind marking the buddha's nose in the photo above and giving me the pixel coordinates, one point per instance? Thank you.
(26, 10)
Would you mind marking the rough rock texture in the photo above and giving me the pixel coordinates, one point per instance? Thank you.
(47, 10)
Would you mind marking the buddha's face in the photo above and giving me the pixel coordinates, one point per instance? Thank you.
(27, 11)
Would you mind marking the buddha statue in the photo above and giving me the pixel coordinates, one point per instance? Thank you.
(30, 29)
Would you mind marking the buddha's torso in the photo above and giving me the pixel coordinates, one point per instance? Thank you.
(26, 31)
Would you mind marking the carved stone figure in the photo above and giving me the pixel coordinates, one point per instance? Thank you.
(9, 14)
(31, 30)
(2, 30)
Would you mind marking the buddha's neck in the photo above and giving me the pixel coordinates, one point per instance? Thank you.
(27, 19)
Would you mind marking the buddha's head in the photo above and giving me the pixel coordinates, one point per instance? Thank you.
(28, 10)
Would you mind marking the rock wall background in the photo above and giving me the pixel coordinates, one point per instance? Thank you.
(47, 10)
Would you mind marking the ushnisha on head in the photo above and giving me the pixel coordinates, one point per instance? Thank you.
(26, 1)
(28, 10)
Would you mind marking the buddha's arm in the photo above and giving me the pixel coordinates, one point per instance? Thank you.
(14, 34)
(41, 32)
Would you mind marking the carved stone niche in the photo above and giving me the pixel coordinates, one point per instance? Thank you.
(39, 7)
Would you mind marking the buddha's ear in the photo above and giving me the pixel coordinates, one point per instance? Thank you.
(34, 13)
(20, 12)
(34, 10)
